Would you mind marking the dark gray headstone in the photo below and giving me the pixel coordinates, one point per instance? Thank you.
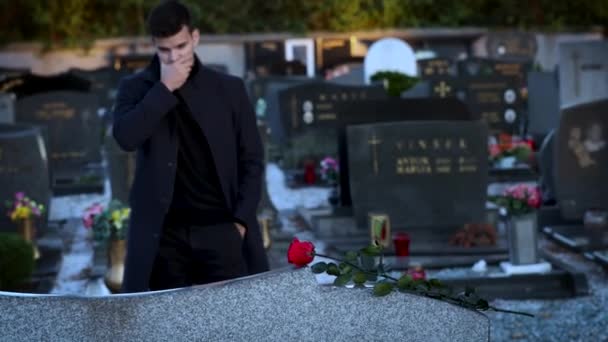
(11, 72)
(263, 58)
(543, 103)
(72, 126)
(583, 72)
(423, 174)
(333, 52)
(30, 84)
(121, 165)
(23, 167)
(512, 45)
(104, 83)
(546, 154)
(7, 108)
(437, 68)
(313, 105)
(581, 159)
(131, 63)
(498, 101)
(308, 118)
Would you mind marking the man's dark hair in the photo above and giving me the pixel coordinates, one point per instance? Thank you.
(168, 18)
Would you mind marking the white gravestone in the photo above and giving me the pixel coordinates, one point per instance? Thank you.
(390, 54)
(583, 72)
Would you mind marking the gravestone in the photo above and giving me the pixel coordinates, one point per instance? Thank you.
(7, 108)
(121, 167)
(512, 45)
(263, 93)
(260, 307)
(498, 102)
(264, 57)
(104, 83)
(543, 103)
(336, 51)
(545, 156)
(583, 72)
(385, 110)
(73, 130)
(496, 91)
(437, 68)
(130, 64)
(390, 54)
(11, 72)
(30, 84)
(580, 168)
(422, 174)
(23, 167)
(581, 159)
(307, 121)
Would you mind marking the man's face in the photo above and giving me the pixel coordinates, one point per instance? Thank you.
(177, 47)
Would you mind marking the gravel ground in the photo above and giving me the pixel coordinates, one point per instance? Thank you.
(574, 319)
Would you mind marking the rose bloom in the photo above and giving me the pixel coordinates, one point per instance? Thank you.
(300, 253)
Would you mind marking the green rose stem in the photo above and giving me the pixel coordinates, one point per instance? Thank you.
(454, 300)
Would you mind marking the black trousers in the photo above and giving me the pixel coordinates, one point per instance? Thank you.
(191, 255)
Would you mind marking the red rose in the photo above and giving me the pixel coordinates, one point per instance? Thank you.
(417, 273)
(300, 253)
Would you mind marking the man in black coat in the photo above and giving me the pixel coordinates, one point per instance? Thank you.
(199, 165)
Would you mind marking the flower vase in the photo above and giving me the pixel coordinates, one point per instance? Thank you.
(334, 195)
(28, 233)
(116, 258)
(523, 237)
(266, 239)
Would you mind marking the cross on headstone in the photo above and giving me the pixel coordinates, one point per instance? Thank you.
(442, 89)
(374, 142)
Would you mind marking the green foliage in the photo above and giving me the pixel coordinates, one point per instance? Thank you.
(78, 22)
(16, 261)
(395, 82)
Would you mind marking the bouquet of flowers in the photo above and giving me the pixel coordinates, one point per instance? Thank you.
(519, 199)
(329, 170)
(111, 223)
(509, 147)
(23, 208)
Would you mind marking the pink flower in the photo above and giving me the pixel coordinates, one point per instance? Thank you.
(90, 213)
(19, 196)
(494, 150)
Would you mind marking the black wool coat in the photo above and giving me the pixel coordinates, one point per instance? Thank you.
(144, 122)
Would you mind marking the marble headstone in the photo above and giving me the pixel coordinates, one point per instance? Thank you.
(276, 306)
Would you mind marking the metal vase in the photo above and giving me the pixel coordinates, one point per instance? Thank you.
(522, 233)
(28, 233)
(116, 258)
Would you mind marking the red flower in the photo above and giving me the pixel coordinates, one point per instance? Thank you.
(417, 273)
(300, 253)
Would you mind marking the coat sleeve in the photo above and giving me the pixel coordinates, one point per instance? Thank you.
(250, 158)
(136, 116)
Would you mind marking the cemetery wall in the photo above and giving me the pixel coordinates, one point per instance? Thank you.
(547, 54)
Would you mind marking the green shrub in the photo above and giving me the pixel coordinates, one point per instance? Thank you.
(395, 82)
(16, 261)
